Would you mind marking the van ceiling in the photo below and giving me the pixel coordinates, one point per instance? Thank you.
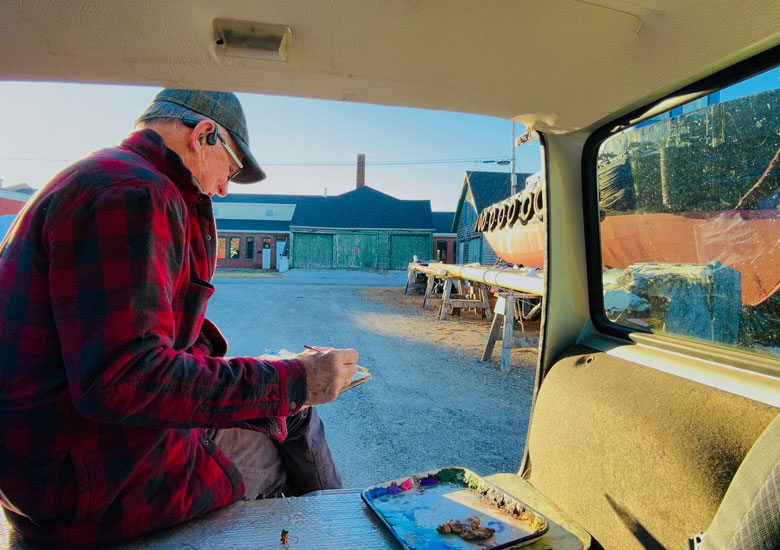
(556, 65)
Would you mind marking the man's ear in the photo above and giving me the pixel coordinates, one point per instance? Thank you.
(199, 135)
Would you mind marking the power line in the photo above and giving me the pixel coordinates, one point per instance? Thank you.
(486, 160)
(483, 160)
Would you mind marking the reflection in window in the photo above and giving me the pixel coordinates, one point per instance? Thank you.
(221, 247)
(266, 242)
(250, 248)
(235, 248)
(441, 251)
(690, 219)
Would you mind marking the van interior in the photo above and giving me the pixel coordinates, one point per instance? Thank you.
(655, 411)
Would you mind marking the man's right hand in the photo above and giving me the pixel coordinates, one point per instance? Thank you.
(328, 371)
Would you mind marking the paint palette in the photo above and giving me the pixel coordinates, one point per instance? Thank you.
(412, 508)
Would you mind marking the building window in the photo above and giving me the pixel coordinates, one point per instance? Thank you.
(266, 242)
(441, 251)
(269, 212)
(235, 248)
(221, 247)
(250, 248)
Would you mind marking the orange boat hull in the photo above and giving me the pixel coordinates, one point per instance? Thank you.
(747, 240)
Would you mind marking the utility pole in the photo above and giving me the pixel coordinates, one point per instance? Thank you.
(512, 176)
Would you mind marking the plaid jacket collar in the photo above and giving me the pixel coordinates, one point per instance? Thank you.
(150, 146)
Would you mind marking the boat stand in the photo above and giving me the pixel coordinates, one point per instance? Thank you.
(510, 339)
(451, 302)
(412, 281)
(430, 291)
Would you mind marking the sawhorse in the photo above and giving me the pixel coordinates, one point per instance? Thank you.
(411, 281)
(429, 290)
(451, 301)
(505, 311)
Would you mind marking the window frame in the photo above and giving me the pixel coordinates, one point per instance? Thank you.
(739, 71)
(228, 248)
(250, 248)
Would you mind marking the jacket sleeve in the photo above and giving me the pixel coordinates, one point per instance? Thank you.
(115, 266)
(210, 341)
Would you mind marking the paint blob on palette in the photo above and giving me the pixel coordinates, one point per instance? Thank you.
(413, 508)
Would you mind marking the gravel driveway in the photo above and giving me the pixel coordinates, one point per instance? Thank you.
(430, 403)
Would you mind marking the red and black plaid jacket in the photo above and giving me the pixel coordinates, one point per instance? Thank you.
(105, 378)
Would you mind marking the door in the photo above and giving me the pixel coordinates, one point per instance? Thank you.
(312, 250)
(403, 248)
(475, 251)
(279, 251)
(355, 250)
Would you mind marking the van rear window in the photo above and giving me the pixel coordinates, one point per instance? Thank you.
(689, 209)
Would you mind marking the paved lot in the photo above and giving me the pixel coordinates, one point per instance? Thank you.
(431, 402)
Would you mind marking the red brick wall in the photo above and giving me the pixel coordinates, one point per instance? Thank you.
(10, 206)
(242, 262)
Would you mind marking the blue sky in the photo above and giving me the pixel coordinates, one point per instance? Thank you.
(49, 125)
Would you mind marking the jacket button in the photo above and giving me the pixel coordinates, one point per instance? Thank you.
(208, 237)
(292, 405)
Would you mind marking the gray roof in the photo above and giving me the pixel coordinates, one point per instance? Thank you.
(264, 226)
(363, 208)
(487, 188)
(259, 199)
(442, 221)
(491, 187)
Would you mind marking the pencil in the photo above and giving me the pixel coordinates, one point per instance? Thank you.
(313, 348)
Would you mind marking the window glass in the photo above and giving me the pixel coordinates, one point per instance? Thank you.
(235, 248)
(250, 248)
(266, 242)
(221, 247)
(690, 219)
(441, 251)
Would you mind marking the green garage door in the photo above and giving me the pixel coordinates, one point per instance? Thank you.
(355, 250)
(404, 247)
(312, 250)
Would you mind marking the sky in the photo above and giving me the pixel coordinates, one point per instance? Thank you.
(49, 125)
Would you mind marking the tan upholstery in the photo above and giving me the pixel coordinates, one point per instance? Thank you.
(751, 476)
(639, 457)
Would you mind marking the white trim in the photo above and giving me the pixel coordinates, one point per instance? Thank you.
(753, 385)
(297, 227)
(14, 195)
(445, 234)
(251, 231)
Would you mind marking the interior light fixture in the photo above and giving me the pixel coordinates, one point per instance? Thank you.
(254, 40)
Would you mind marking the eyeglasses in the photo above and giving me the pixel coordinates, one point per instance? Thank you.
(232, 155)
(212, 140)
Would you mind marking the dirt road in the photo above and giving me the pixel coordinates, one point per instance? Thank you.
(431, 402)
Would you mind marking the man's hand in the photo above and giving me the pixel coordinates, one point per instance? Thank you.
(328, 371)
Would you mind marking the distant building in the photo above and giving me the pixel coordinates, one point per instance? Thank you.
(12, 200)
(363, 228)
(480, 189)
(253, 230)
(443, 237)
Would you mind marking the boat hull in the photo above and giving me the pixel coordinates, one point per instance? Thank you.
(746, 240)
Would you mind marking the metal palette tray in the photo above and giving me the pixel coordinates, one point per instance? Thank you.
(412, 508)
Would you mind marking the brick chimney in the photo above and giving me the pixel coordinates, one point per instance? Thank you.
(361, 171)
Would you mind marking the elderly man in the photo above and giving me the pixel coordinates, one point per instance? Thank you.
(120, 413)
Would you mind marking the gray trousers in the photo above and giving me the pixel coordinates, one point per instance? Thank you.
(302, 463)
